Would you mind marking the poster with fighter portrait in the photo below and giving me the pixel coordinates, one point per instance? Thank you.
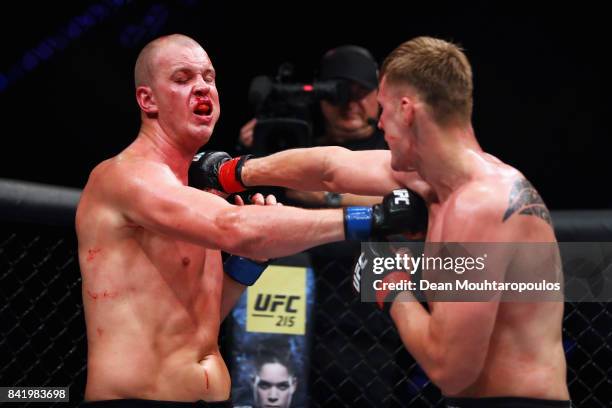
(270, 339)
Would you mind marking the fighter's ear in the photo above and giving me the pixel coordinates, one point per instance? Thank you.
(407, 109)
(146, 99)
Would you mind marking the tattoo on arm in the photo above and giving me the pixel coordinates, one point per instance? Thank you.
(525, 200)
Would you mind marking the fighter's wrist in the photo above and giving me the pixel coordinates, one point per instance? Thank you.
(245, 172)
(243, 270)
(357, 223)
(230, 176)
(389, 300)
(242, 161)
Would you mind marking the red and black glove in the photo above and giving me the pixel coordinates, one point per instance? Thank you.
(373, 281)
(218, 171)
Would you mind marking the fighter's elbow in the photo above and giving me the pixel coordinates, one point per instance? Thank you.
(451, 384)
(452, 378)
(235, 235)
(331, 167)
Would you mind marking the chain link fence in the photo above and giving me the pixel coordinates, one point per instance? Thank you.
(358, 359)
(42, 336)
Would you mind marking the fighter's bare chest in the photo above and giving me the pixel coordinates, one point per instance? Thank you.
(183, 266)
(173, 262)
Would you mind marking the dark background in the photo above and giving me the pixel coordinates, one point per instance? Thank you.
(542, 100)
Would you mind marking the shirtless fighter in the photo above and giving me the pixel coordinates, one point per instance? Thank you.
(154, 287)
(480, 354)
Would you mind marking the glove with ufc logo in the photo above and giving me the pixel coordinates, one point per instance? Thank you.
(386, 283)
(401, 211)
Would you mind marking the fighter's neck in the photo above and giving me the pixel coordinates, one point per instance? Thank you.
(451, 162)
(154, 144)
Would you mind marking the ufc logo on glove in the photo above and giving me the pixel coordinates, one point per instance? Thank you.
(401, 196)
(359, 266)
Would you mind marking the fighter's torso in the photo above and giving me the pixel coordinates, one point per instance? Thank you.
(152, 308)
(525, 355)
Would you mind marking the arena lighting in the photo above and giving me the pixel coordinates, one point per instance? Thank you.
(49, 46)
(134, 34)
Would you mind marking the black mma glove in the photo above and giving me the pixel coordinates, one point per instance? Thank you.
(401, 211)
(218, 171)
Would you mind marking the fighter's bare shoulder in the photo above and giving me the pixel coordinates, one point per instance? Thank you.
(129, 174)
(480, 198)
(501, 202)
(124, 184)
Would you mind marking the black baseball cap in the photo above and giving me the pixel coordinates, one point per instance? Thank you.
(350, 62)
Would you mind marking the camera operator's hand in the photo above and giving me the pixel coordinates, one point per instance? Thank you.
(309, 198)
(330, 200)
(246, 133)
(217, 171)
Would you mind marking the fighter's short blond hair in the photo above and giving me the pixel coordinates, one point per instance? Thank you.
(440, 73)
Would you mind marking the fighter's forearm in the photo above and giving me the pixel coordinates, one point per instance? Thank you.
(433, 347)
(412, 322)
(261, 232)
(326, 199)
(355, 199)
(300, 169)
(232, 291)
(254, 231)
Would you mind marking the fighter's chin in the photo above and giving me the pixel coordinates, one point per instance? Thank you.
(205, 120)
(398, 165)
(202, 134)
(395, 163)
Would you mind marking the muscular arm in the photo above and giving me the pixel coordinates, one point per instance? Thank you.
(329, 168)
(317, 198)
(451, 342)
(232, 290)
(152, 197)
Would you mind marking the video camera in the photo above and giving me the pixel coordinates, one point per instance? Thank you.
(283, 109)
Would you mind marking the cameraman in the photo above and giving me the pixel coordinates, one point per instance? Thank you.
(351, 124)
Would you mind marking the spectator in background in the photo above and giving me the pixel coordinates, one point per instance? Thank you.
(351, 124)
